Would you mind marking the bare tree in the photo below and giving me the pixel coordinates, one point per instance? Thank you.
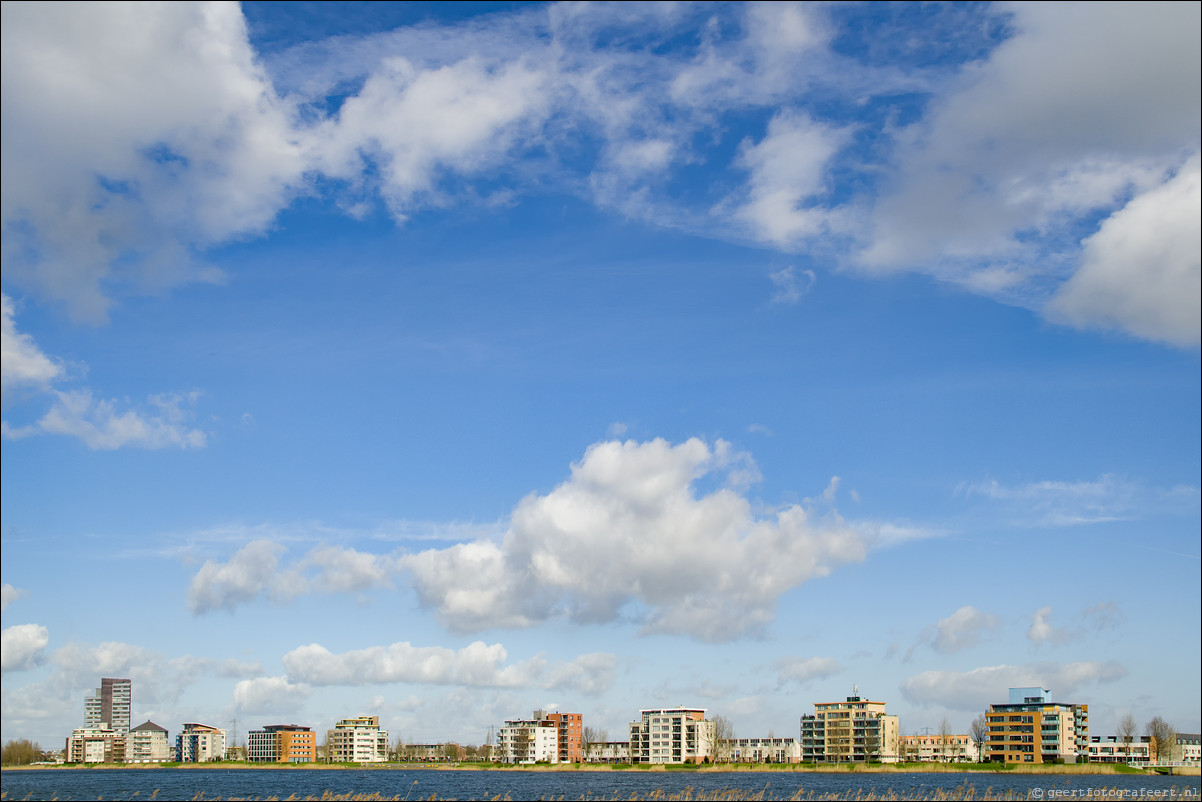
(979, 730)
(1126, 733)
(945, 737)
(592, 741)
(1163, 737)
(724, 734)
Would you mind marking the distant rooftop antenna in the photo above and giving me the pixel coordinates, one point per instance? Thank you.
(855, 689)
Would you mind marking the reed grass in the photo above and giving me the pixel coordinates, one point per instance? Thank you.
(691, 794)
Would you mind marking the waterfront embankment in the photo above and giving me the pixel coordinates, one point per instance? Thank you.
(732, 768)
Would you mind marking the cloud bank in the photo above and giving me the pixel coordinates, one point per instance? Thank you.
(1019, 171)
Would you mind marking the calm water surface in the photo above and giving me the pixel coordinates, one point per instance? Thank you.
(166, 784)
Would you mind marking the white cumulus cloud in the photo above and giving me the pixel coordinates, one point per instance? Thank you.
(1142, 270)
(23, 646)
(133, 135)
(1079, 109)
(629, 531)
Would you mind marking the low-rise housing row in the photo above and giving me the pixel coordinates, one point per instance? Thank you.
(939, 748)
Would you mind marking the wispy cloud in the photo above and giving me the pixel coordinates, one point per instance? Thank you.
(805, 669)
(1062, 503)
(1042, 631)
(101, 424)
(791, 284)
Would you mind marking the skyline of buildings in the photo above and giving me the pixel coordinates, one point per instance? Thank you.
(1028, 728)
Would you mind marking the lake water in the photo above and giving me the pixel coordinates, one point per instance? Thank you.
(210, 784)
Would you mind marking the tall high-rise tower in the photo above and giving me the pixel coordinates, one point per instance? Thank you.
(109, 707)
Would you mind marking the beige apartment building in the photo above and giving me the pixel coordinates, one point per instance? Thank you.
(148, 743)
(854, 730)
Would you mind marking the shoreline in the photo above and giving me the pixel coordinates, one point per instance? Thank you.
(724, 768)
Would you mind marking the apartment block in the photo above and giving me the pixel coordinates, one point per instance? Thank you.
(282, 743)
(148, 743)
(95, 745)
(672, 735)
(357, 740)
(532, 740)
(1030, 728)
(570, 743)
(109, 707)
(200, 743)
(855, 730)
(544, 738)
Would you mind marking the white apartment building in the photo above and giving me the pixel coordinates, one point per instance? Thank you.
(357, 740)
(672, 735)
(148, 743)
(199, 743)
(528, 741)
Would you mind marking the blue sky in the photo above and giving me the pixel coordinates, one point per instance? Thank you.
(445, 362)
